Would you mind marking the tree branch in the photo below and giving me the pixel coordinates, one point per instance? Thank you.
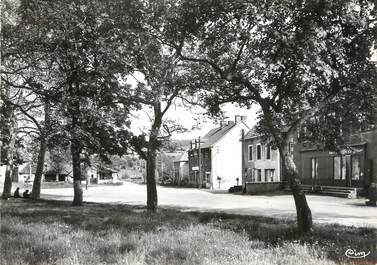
(26, 114)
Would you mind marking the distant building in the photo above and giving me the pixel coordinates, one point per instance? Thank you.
(261, 164)
(24, 173)
(164, 171)
(220, 156)
(101, 174)
(181, 169)
(53, 175)
(61, 172)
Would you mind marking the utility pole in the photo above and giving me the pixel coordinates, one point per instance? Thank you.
(243, 173)
(200, 167)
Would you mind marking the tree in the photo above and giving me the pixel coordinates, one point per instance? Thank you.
(26, 75)
(7, 113)
(163, 81)
(162, 85)
(292, 58)
(8, 133)
(85, 54)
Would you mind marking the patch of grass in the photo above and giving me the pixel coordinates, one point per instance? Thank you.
(53, 232)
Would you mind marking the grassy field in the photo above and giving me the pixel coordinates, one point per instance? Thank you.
(53, 232)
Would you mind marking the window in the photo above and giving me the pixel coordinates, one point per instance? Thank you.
(208, 177)
(259, 152)
(259, 175)
(269, 175)
(337, 167)
(250, 152)
(268, 152)
(344, 167)
(291, 147)
(314, 168)
(248, 174)
(251, 174)
(355, 167)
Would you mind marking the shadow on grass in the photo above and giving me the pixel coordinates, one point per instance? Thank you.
(102, 218)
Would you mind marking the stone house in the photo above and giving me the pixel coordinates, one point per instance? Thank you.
(261, 165)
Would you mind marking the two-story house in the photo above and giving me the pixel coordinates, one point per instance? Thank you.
(261, 164)
(216, 161)
(322, 170)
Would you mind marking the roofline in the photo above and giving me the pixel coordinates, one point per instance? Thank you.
(234, 125)
(253, 137)
(325, 150)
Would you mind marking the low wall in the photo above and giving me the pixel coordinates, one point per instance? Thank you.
(261, 187)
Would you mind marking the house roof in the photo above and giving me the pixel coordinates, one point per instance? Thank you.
(254, 134)
(109, 169)
(251, 134)
(214, 135)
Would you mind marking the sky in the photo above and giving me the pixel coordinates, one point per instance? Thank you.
(141, 122)
(186, 117)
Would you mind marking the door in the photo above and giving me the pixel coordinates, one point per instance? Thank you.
(348, 171)
(314, 170)
(357, 174)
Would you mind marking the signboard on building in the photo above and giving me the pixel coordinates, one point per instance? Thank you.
(348, 151)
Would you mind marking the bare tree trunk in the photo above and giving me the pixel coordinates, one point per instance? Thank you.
(7, 189)
(151, 181)
(8, 133)
(75, 142)
(304, 214)
(151, 159)
(36, 191)
(78, 192)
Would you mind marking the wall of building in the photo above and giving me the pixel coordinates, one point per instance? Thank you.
(181, 171)
(362, 146)
(325, 169)
(193, 164)
(250, 166)
(371, 155)
(227, 158)
(255, 188)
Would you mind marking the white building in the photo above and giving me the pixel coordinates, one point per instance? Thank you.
(220, 156)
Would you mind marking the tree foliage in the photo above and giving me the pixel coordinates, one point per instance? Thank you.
(71, 53)
(292, 58)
